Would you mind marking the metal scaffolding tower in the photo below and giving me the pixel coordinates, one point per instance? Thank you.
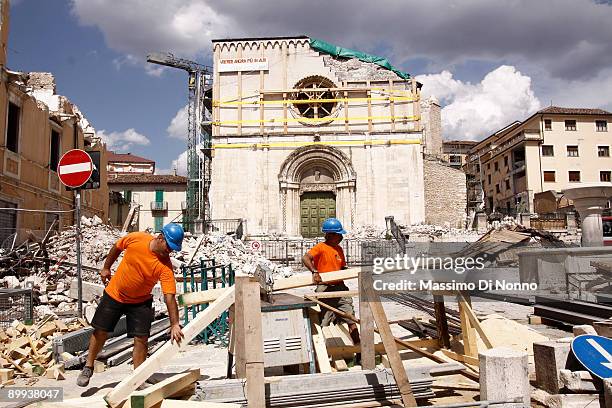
(197, 212)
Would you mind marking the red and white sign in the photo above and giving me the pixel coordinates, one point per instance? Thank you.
(255, 246)
(75, 168)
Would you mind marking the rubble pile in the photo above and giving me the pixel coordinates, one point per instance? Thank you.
(225, 249)
(367, 232)
(27, 351)
(420, 232)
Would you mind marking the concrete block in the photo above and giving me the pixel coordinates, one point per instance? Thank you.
(550, 357)
(504, 375)
(578, 381)
(608, 392)
(603, 328)
(91, 291)
(583, 329)
(572, 401)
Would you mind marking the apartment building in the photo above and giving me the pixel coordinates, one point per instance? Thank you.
(37, 126)
(554, 149)
(455, 152)
(128, 163)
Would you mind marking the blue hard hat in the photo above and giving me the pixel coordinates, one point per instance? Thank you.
(173, 233)
(333, 225)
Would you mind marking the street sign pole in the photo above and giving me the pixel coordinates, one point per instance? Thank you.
(78, 253)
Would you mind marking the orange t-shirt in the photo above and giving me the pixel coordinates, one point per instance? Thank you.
(139, 270)
(327, 258)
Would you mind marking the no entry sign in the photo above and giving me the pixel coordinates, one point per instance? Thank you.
(74, 168)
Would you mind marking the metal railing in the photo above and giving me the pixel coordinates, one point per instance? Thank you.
(159, 205)
(357, 252)
(204, 275)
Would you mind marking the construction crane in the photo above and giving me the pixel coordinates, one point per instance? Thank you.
(196, 215)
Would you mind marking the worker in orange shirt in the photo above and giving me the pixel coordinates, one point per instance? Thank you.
(325, 257)
(146, 261)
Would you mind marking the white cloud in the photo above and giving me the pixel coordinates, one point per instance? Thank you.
(122, 141)
(180, 163)
(474, 111)
(178, 126)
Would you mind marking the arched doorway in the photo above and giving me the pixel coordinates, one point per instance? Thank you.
(316, 182)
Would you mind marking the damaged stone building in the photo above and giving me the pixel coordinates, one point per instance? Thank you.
(37, 127)
(301, 132)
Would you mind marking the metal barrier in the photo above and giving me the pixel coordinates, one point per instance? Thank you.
(358, 252)
(16, 304)
(210, 276)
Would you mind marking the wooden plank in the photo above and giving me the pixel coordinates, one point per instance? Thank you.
(339, 294)
(460, 358)
(384, 329)
(368, 357)
(474, 321)
(331, 340)
(156, 393)
(169, 403)
(404, 343)
(122, 390)
(206, 296)
(319, 342)
(379, 348)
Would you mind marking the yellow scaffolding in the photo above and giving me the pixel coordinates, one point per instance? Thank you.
(375, 142)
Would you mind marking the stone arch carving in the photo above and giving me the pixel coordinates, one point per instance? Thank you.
(339, 177)
(308, 156)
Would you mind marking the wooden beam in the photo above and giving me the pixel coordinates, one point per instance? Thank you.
(460, 358)
(406, 344)
(441, 321)
(334, 340)
(339, 294)
(379, 348)
(319, 342)
(248, 297)
(368, 357)
(156, 393)
(474, 321)
(169, 403)
(122, 390)
(384, 329)
(207, 296)
(470, 348)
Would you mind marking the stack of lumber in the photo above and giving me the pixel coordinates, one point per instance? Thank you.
(28, 351)
(350, 387)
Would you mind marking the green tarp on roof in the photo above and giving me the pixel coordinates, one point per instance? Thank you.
(336, 51)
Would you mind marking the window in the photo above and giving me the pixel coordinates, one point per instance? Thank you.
(570, 125)
(604, 176)
(496, 164)
(497, 190)
(603, 151)
(477, 168)
(12, 128)
(506, 161)
(309, 94)
(572, 151)
(55, 150)
(507, 184)
(547, 124)
(549, 176)
(489, 178)
(574, 176)
(601, 125)
(127, 195)
(548, 150)
(454, 159)
(488, 166)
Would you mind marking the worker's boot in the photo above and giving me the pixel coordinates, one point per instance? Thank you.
(84, 376)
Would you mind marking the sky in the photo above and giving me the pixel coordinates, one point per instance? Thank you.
(489, 63)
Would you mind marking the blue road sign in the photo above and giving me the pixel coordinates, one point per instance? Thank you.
(595, 354)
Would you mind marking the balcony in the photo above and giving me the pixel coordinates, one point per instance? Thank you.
(183, 205)
(159, 206)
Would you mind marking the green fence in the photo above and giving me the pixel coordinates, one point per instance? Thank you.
(203, 276)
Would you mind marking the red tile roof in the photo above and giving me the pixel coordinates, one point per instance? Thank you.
(127, 158)
(146, 179)
(573, 111)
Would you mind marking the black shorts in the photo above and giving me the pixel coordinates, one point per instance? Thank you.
(138, 316)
